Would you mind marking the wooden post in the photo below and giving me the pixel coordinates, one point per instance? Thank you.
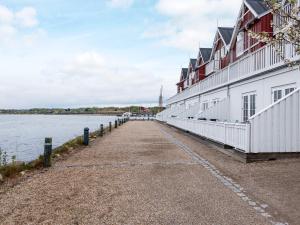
(101, 130)
(86, 135)
(116, 124)
(47, 152)
(109, 126)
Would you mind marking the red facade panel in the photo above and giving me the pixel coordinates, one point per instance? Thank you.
(201, 72)
(255, 25)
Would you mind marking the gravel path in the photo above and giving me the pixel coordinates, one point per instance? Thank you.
(138, 174)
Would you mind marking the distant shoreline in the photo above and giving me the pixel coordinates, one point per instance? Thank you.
(66, 114)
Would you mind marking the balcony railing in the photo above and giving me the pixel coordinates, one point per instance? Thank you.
(279, 21)
(264, 59)
(232, 134)
(212, 67)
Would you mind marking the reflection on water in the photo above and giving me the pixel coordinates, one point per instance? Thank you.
(23, 135)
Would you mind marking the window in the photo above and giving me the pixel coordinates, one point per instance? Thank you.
(215, 101)
(252, 105)
(223, 52)
(277, 95)
(217, 55)
(279, 92)
(289, 90)
(240, 44)
(249, 106)
(205, 106)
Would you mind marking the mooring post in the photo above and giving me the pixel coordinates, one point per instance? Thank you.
(86, 135)
(109, 126)
(116, 124)
(101, 130)
(47, 152)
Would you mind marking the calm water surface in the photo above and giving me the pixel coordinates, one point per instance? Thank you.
(23, 135)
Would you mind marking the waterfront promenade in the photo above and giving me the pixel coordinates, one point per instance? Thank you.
(147, 173)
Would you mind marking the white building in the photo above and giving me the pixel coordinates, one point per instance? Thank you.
(248, 98)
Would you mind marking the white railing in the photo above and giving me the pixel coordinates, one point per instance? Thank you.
(212, 67)
(170, 112)
(277, 128)
(142, 118)
(220, 111)
(279, 21)
(262, 60)
(191, 111)
(231, 134)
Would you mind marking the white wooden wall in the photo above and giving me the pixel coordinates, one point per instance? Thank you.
(277, 128)
(220, 111)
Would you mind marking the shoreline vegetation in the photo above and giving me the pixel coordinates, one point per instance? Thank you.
(17, 169)
(80, 111)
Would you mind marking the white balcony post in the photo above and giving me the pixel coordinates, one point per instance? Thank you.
(228, 73)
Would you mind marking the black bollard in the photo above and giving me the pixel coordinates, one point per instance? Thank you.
(101, 130)
(47, 152)
(116, 124)
(109, 126)
(86, 135)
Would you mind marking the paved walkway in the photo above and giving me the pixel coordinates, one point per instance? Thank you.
(139, 174)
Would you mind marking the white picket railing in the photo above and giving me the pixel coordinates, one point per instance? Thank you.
(220, 111)
(191, 111)
(277, 128)
(170, 112)
(262, 60)
(212, 66)
(279, 20)
(232, 134)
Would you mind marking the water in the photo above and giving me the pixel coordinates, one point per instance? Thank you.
(23, 135)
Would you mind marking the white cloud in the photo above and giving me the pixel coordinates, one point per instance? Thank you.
(13, 27)
(6, 16)
(85, 78)
(120, 3)
(32, 38)
(27, 17)
(112, 79)
(194, 21)
(7, 32)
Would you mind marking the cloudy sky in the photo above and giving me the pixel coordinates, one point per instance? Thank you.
(56, 53)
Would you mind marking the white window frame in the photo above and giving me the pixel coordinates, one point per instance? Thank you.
(250, 109)
(283, 89)
(240, 39)
(223, 52)
(205, 105)
(217, 55)
(215, 101)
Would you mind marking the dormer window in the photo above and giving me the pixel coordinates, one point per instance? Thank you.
(223, 52)
(217, 55)
(240, 44)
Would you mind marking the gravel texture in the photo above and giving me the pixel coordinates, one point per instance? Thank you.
(137, 175)
(275, 185)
